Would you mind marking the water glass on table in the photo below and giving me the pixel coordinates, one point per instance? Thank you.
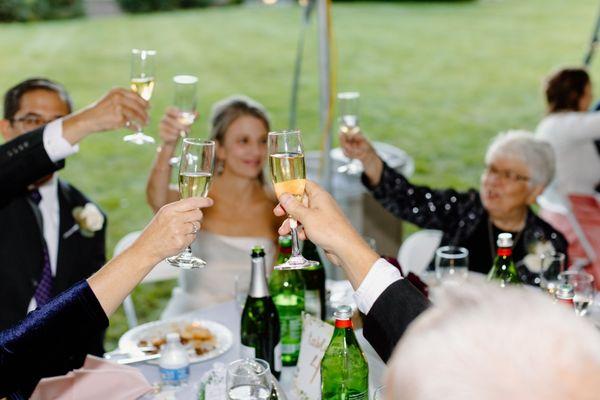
(583, 289)
(248, 379)
(451, 264)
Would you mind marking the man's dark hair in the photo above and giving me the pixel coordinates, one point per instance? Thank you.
(12, 98)
(565, 88)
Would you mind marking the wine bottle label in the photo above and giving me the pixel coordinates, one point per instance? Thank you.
(291, 331)
(247, 351)
(312, 303)
(277, 356)
(290, 348)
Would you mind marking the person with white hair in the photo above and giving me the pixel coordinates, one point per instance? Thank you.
(479, 342)
(517, 169)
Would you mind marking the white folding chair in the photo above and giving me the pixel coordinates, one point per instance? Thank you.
(418, 249)
(161, 272)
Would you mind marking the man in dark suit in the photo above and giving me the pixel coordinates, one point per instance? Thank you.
(389, 302)
(52, 236)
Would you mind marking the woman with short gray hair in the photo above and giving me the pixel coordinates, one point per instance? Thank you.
(518, 168)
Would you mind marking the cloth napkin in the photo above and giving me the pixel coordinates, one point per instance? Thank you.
(98, 379)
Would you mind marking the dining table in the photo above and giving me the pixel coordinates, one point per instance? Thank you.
(229, 314)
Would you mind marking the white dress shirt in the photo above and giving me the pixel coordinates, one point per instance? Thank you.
(381, 275)
(57, 148)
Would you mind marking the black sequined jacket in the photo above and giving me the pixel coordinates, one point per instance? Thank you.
(461, 217)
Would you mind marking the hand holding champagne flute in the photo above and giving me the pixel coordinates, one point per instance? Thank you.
(195, 173)
(348, 110)
(288, 172)
(142, 83)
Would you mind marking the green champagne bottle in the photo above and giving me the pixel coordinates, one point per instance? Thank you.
(287, 291)
(504, 269)
(260, 329)
(344, 368)
(314, 281)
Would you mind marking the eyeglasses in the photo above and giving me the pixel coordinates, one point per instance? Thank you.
(33, 120)
(506, 175)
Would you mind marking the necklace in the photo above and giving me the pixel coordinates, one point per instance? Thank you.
(491, 238)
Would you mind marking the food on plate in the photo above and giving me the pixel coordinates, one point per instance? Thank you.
(199, 339)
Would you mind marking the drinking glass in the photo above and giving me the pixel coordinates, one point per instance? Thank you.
(185, 101)
(348, 111)
(379, 393)
(451, 264)
(142, 83)
(195, 173)
(248, 379)
(551, 265)
(288, 172)
(583, 288)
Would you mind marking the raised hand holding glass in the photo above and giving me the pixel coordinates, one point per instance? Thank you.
(195, 173)
(142, 83)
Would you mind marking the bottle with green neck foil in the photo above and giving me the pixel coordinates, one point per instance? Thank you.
(504, 269)
(287, 291)
(260, 329)
(314, 281)
(344, 368)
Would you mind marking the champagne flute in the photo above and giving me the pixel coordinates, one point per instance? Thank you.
(195, 173)
(142, 83)
(288, 172)
(348, 110)
(185, 101)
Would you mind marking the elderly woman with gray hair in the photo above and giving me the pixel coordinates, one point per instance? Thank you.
(517, 169)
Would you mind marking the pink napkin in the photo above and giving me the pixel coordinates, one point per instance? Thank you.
(98, 379)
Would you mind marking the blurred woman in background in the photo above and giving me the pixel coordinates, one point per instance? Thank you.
(239, 125)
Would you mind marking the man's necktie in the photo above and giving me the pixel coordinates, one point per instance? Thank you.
(43, 291)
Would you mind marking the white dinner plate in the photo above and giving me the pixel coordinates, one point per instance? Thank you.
(129, 341)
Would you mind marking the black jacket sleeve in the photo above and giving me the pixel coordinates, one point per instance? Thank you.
(391, 314)
(49, 341)
(23, 161)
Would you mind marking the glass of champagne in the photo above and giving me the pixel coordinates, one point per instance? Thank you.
(452, 264)
(248, 379)
(185, 101)
(583, 289)
(348, 111)
(195, 173)
(288, 172)
(552, 264)
(142, 83)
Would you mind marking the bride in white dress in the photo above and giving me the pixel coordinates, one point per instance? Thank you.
(240, 126)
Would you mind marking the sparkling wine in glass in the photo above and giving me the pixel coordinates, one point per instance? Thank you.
(348, 111)
(185, 101)
(552, 264)
(195, 173)
(288, 172)
(248, 379)
(142, 82)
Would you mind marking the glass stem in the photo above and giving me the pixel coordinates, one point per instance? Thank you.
(295, 242)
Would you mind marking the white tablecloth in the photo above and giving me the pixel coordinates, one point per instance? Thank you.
(228, 314)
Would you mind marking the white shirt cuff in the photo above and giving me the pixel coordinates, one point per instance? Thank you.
(381, 275)
(57, 147)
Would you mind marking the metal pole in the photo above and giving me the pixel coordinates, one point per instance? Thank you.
(593, 42)
(324, 92)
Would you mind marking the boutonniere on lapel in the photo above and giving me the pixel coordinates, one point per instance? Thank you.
(533, 260)
(88, 221)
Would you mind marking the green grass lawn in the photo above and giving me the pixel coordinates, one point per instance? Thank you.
(438, 80)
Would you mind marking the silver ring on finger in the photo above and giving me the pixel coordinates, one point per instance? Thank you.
(195, 228)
